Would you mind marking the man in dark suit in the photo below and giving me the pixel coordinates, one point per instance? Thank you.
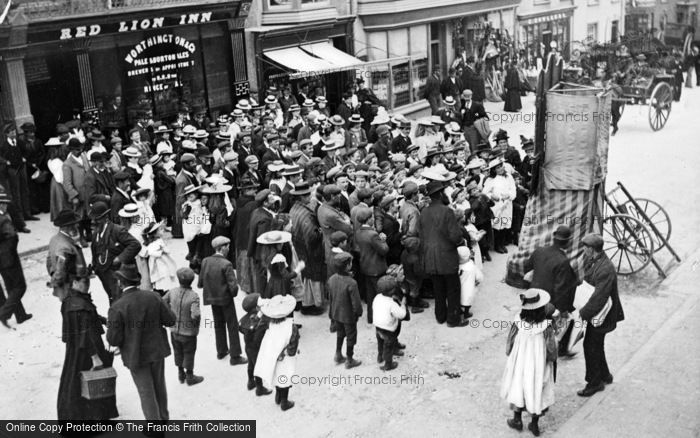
(120, 195)
(112, 246)
(331, 219)
(440, 235)
(601, 274)
(449, 113)
(218, 281)
(10, 269)
(136, 325)
(431, 92)
(471, 112)
(344, 109)
(183, 179)
(401, 142)
(262, 220)
(230, 172)
(471, 80)
(13, 153)
(373, 250)
(553, 273)
(98, 179)
(452, 86)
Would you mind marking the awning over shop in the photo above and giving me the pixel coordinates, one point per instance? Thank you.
(313, 59)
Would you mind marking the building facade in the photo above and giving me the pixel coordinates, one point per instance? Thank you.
(598, 20)
(667, 20)
(403, 40)
(543, 22)
(116, 59)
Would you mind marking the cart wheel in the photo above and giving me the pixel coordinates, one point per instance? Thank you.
(628, 243)
(660, 105)
(649, 212)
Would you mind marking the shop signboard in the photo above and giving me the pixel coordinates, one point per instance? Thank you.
(159, 59)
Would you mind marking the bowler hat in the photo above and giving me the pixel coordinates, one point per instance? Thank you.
(121, 176)
(66, 217)
(129, 273)
(99, 210)
(562, 233)
(301, 188)
(434, 187)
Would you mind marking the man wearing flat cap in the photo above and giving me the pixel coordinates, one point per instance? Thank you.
(262, 220)
(184, 178)
(552, 272)
(601, 274)
(331, 219)
(440, 236)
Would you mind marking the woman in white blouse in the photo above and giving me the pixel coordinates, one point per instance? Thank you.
(500, 187)
(56, 156)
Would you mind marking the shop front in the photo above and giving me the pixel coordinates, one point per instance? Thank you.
(403, 48)
(317, 55)
(538, 31)
(113, 68)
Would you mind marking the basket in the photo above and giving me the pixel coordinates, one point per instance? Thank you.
(98, 384)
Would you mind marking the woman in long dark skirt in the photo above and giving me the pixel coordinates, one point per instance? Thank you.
(512, 86)
(82, 330)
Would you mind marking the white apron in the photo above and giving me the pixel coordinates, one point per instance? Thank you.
(501, 186)
(267, 367)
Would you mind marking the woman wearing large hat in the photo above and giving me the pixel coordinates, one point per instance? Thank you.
(279, 272)
(499, 186)
(528, 380)
(276, 362)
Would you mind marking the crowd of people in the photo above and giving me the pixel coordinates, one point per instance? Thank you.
(299, 209)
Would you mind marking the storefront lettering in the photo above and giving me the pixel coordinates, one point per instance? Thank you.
(135, 25)
(139, 48)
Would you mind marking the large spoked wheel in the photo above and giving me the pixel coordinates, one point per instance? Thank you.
(660, 105)
(628, 243)
(649, 212)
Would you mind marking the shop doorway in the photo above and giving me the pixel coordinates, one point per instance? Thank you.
(54, 91)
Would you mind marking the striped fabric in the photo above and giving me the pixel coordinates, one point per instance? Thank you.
(581, 210)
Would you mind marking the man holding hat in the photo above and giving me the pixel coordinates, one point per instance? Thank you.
(552, 272)
(599, 272)
(10, 269)
(440, 236)
(74, 172)
(183, 179)
(111, 247)
(135, 324)
(218, 281)
(308, 243)
(65, 260)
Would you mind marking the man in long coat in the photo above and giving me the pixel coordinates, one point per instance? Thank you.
(65, 261)
(262, 220)
(74, 172)
(331, 219)
(599, 272)
(431, 92)
(245, 205)
(440, 235)
(308, 242)
(552, 272)
(182, 180)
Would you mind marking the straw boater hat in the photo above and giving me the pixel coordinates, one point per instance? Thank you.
(54, 141)
(131, 152)
(496, 162)
(476, 163)
(337, 120)
(129, 210)
(154, 227)
(279, 306)
(270, 99)
(274, 237)
(449, 100)
(162, 129)
(200, 133)
(300, 189)
(244, 105)
(290, 170)
(191, 189)
(189, 130)
(331, 145)
(534, 299)
(355, 118)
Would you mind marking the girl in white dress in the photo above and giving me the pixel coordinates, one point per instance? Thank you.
(528, 380)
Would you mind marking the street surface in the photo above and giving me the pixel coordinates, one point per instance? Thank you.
(448, 383)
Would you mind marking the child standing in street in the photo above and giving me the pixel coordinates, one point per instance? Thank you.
(253, 326)
(345, 308)
(184, 302)
(161, 265)
(469, 277)
(387, 315)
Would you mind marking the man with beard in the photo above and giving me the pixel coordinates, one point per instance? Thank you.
(65, 261)
(553, 273)
(308, 242)
(440, 236)
(262, 220)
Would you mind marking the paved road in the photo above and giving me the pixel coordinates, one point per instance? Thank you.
(450, 376)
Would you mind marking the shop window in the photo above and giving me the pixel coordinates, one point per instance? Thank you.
(107, 86)
(401, 84)
(592, 31)
(380, 83)
(419, 75)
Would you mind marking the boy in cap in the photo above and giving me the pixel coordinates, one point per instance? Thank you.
(388, 313)
(253, 325)
(184, 302)
(345, 308)
(218, 280)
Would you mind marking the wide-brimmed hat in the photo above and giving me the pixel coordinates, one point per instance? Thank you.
(188, 144)
(244, 105)
(300, 189)
(129, 210)
(291, 170)
(66, 217)
(161, 129)
(140, 192)
(164, 148)
(453, 128)
(129, 273)
(200, 133)
(99, 210)
(274, 237)
(476, 163)
(191, 188)
(216, 188)
(54, 141)
(534, 299)
(355, 118)
(562, 233)
(189, 129)
(331, 145)
(131, 152)
(152, 228)
(437, 120)
(279, 306)
(95, 135)
(337, 120)
(449, 100)
(496, 162)
(380, 119)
